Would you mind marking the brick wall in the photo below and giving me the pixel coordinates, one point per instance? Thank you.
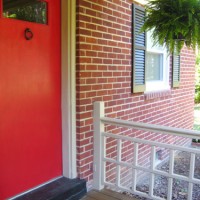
(104, 74)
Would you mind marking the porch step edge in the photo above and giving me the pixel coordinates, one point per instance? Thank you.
(60, 189)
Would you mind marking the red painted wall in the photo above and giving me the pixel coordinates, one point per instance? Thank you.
(104, 74)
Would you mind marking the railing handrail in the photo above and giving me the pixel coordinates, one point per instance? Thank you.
(152, 127)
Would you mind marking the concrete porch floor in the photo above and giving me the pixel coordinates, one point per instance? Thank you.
(106, 195)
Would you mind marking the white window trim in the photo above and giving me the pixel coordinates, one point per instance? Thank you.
(152, 86)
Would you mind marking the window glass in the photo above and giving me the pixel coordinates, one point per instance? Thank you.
(154, 65)
(157, 66)
(27, 10)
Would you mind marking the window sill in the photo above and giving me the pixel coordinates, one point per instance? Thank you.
(157, 94)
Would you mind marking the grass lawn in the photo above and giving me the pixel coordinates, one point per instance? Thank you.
(197, 117)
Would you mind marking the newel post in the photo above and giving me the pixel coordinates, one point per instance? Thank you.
(98, 145)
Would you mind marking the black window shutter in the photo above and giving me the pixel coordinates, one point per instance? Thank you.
(176, 70)
(139, 50)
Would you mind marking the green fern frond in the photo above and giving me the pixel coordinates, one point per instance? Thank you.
(175, 23)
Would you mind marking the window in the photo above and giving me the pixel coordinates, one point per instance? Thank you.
(150, 62)
(154, 66)
(157, 66)
(26, 10)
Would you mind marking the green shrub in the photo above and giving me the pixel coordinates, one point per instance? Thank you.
(197, 97)
(197, 80)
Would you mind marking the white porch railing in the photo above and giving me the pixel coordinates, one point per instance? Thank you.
(115, 177)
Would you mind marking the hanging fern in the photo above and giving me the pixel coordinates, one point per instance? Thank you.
(174, 23)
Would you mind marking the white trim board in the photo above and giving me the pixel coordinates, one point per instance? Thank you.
(68, 98)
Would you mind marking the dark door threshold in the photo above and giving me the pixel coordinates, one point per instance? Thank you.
(60, 189)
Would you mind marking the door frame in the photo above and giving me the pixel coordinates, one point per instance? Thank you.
(68, 88)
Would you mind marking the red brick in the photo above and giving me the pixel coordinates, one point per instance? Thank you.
(104, 73)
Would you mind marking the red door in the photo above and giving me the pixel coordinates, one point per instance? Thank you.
(30, 99)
